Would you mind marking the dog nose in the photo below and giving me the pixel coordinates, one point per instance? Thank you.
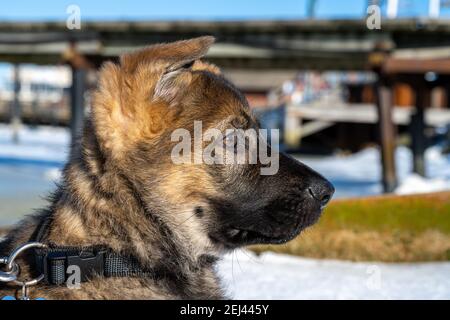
(322, 190)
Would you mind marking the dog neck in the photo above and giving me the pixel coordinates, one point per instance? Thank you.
(97, 204)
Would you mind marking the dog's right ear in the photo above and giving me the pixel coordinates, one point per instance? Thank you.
(161, 67)
(124, 106)
(167, 56)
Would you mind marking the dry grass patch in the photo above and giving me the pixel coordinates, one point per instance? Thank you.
(385, 228)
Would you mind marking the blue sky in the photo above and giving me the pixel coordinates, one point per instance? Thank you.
(196, 9)
(167, 9)
(42, 10)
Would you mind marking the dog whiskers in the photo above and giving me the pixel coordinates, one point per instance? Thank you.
(250, 256)
(185, 220)
(237, 260)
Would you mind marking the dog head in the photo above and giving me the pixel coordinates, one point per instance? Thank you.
(158, 90)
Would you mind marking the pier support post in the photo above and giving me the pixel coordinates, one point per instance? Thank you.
(77, 101)
(387, 135)
(417, 129)
(15, 108)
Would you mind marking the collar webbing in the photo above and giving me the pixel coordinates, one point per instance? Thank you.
(59, 263)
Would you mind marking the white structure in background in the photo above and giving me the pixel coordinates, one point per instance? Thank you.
(434, 7)
(40, 84)
(392, 9)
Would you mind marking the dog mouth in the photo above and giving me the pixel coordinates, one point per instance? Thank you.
(276, 222)
(251, 236)
(233, 237)
(271, 231)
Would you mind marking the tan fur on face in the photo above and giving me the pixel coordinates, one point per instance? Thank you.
(186, 198)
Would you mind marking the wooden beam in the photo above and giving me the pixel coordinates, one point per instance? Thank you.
(417, 129)
(312, 127)
(77, 101)
(15, 108)
(416, 66)
(365, 113)
(387, 135)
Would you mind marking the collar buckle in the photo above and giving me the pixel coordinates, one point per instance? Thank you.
(56, 265)
(89, 264)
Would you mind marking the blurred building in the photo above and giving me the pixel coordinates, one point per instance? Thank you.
(43, 84)
(43, 93)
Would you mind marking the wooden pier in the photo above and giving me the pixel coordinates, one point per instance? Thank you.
(365, 113)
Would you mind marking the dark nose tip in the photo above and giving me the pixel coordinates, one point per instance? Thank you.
(322, 191)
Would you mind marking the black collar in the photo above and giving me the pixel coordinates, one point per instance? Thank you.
(54, 261)
(58, 263)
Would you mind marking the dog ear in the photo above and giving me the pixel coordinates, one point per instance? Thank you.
(167, 56)
(173, 84)
(125, 107)
(160, 68)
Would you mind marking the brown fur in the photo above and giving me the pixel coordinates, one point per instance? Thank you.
(120, 188)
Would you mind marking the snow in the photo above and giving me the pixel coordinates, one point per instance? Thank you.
(417, 184)
(36, 145)
(359, 174)
(29, 168)
(276, 276)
